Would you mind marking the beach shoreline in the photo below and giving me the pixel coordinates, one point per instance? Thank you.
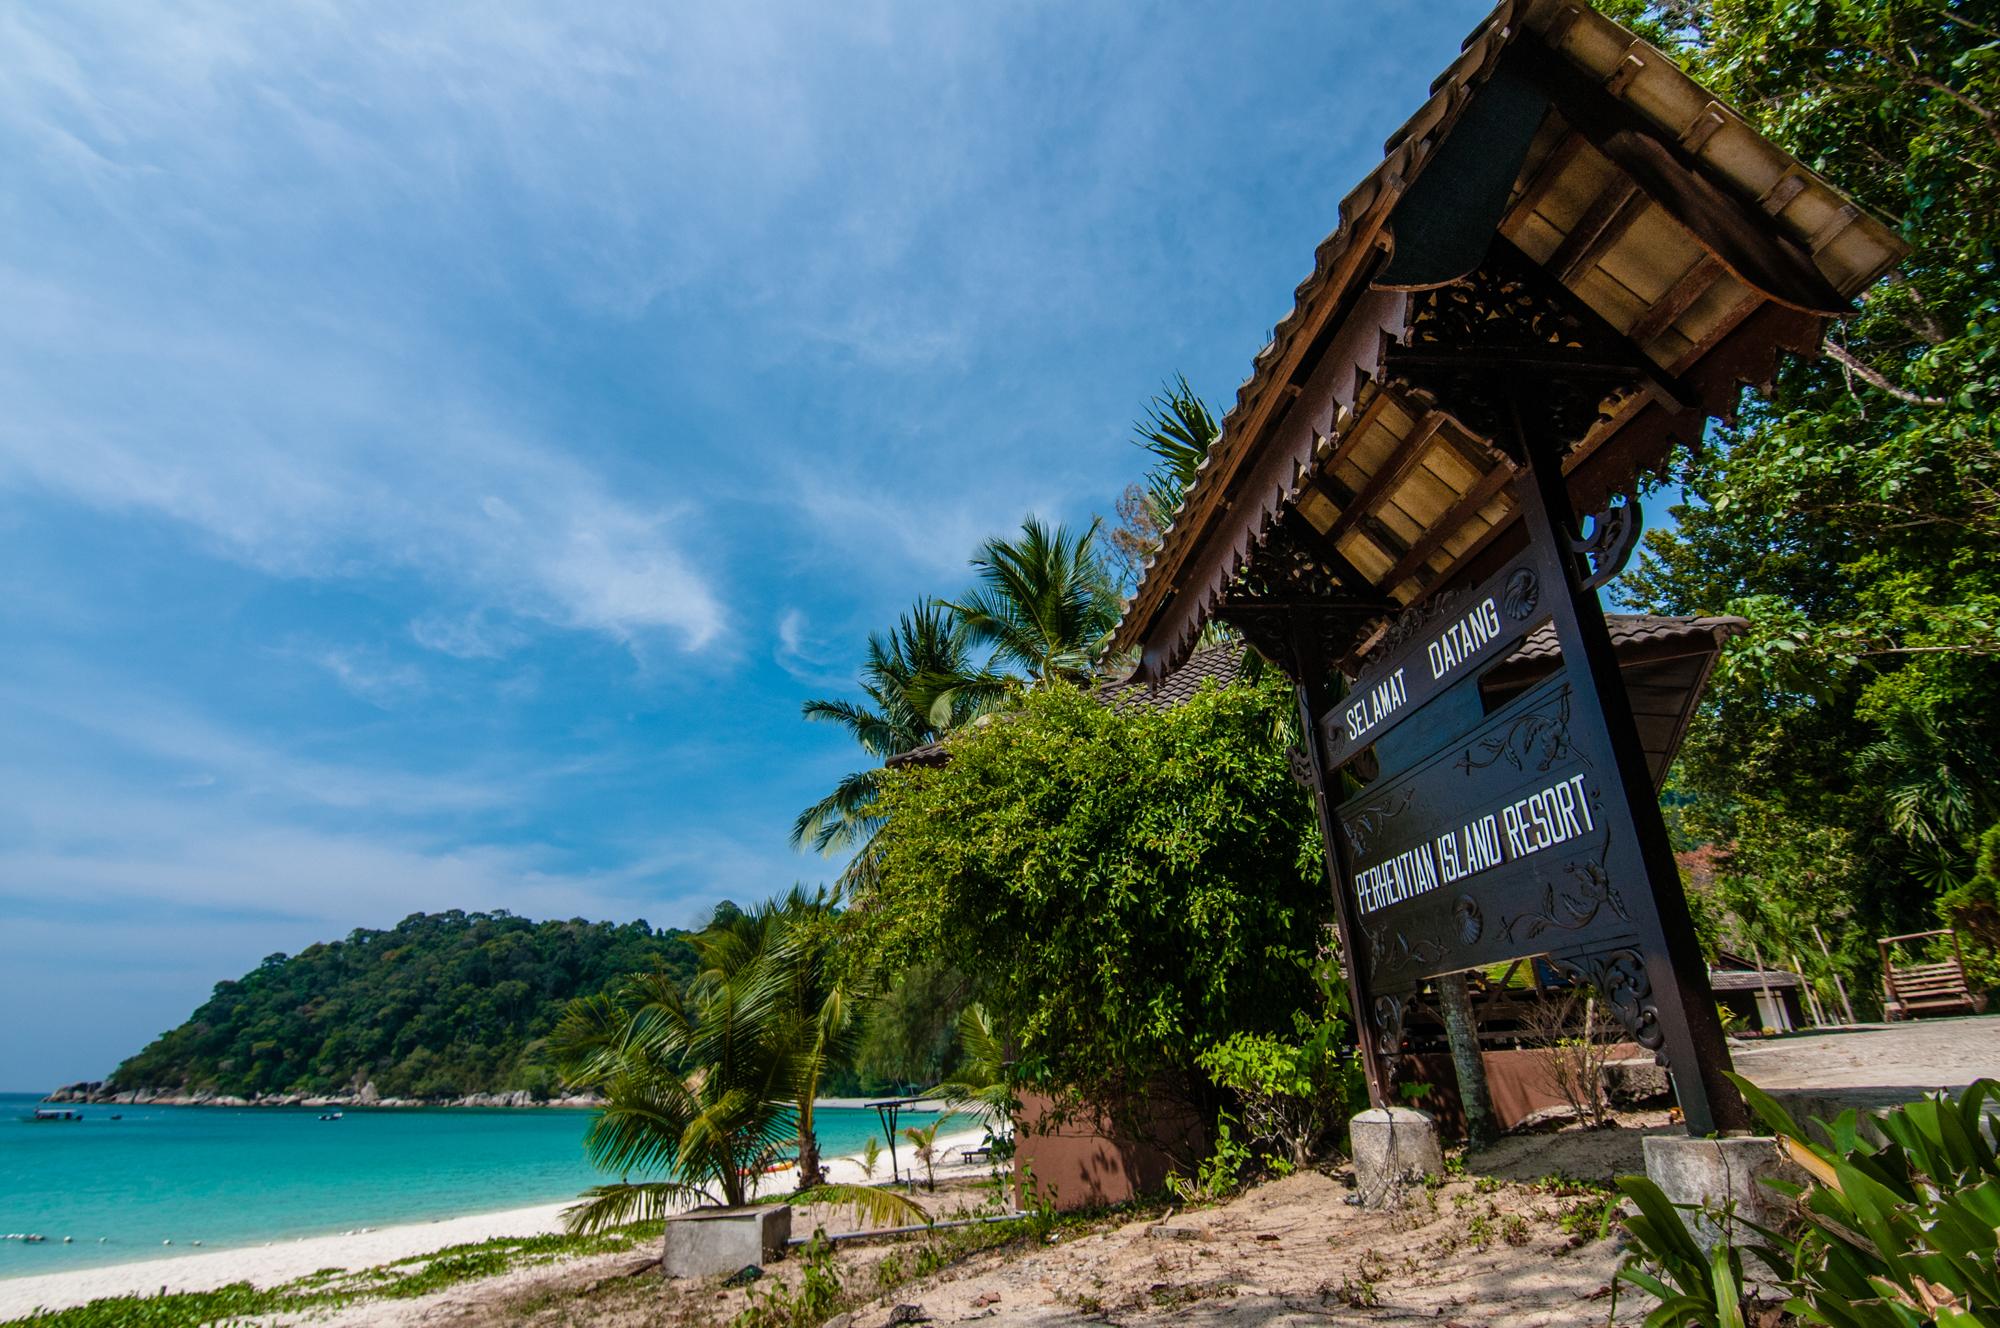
(282, 1261)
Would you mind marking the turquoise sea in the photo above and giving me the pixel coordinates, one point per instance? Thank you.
(227, 1176)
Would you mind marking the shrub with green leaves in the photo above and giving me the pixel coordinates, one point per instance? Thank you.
(1123, 887)
(1898, 1228)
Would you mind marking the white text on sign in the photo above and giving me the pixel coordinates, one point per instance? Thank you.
(1547, 817)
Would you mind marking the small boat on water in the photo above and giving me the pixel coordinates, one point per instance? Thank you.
(329, 1115)
(53, 1114)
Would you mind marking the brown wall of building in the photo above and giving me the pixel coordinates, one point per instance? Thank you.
(1517, 1080)
(1082, 1161)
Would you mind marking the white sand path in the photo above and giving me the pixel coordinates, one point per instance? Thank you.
(284, 1260)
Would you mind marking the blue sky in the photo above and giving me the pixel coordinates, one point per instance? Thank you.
(443, 444)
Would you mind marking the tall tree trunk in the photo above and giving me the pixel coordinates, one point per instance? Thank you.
(1463, 1031)
(810, 1173)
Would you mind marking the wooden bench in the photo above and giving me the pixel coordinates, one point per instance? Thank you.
(1910, 990)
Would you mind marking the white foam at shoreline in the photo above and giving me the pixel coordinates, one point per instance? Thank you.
(269, 1265)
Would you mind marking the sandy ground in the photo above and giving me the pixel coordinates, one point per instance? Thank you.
(1486, 1249)
(1893, 1061)
(268, 1265)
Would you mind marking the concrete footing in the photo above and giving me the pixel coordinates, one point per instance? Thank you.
(1635, 1083)
(1717, 1173)
(712, 1241)
(1393, 1146)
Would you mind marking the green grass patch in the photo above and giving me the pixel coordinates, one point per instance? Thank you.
(418, 1275)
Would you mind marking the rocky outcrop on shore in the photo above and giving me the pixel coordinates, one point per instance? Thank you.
(97, 1092)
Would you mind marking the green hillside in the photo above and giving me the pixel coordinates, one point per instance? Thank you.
(442, 1005)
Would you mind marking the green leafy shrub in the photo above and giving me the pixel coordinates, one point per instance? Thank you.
(1123, 888)
(1899, 1227)
(1974, 910)
(1296, 1094)
(1221, 1173)
(816, 1298)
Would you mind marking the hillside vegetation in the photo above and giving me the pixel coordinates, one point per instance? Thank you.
(440, 1006)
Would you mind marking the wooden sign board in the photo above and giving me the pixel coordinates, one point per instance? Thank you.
(1430, 651)
(1492, 848)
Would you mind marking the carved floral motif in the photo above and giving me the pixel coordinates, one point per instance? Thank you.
(1537, 740)
(1621, 982)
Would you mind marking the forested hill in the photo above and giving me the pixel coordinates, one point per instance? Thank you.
(443, 1005)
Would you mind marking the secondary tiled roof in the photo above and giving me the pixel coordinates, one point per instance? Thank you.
(1222, 663)
(1666, 661)
(1634, 633)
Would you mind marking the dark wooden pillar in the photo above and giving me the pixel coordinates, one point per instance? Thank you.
(1660, 992)
(1317, 692)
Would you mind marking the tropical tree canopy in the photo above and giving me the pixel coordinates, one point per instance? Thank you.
(1178, 430)
(1043, 602)
(1845, 758)
(1123, 888)
(927, 657)
(706, 1085)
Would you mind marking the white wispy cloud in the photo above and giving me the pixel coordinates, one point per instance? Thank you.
(818, 661)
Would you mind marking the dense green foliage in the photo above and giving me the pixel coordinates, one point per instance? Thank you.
(706, 1086)
(1845, 757)
(1897, 1228)
(441, 1005)
(1124, 888)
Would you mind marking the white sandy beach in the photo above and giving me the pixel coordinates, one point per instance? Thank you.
(281, 1261)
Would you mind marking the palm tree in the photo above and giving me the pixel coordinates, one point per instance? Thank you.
(1045, 603)
(983, 1072)
(702, 1087)
(921, 681)
(815, 1015)
(925, 1139)
(1178, 430)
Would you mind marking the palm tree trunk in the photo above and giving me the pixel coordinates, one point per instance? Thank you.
(1462, 1031)
(810, 1172)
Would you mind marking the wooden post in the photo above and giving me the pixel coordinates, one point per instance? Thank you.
(1846, 1005)
(1315, 693)
(1691, 1040)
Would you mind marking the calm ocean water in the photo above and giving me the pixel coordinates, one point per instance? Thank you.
(246, 1176)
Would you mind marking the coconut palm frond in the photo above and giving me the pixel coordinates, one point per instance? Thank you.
(842, 818)
(872, 1206)
(1178, 430)
(876, 733)
(602, 1207)
(1045, 601)
(640, 1127)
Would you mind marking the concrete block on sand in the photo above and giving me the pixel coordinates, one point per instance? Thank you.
(1716, 1172)
(1639, 1082)
(1392, 1147)
(710, 1241)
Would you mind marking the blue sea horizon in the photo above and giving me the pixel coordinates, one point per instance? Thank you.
(236, 1176)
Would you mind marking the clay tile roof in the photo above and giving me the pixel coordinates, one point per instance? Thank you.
(1305, 386)
(1637, 633)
